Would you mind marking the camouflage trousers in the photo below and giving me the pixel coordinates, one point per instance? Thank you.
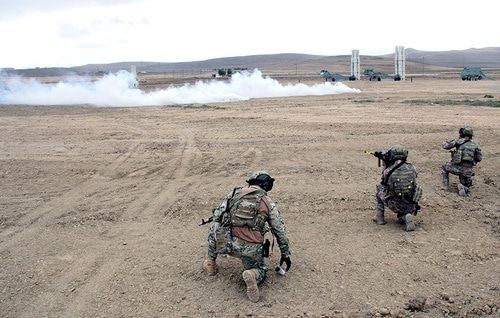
(251, 254)
(401, 206)
(464, 173)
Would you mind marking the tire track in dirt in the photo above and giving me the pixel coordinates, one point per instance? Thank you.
(146, 207)
(54, 208)
(101, 267)
(160, 199)
(31, 224)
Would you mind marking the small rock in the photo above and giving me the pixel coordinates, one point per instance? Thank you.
(416, 304)
(384, 311)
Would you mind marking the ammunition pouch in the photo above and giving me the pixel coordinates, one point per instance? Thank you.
(244, 214)
(456, 156)
(468, 155)
(417, 195)
(223, 240)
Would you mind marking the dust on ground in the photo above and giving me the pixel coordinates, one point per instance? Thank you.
(100, 206)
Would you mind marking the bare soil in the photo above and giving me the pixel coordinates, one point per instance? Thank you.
(99, 207)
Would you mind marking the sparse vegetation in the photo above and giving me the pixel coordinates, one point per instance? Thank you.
(470, 102)
(364, 101)
(488, 96)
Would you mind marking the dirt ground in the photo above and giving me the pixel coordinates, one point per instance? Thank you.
(100, 207)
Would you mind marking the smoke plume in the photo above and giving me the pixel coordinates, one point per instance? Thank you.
(117, 90)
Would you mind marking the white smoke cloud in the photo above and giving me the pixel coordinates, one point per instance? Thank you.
(115, 90)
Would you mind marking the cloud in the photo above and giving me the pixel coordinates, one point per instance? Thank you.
(13, 9)
(71, 31)
(115, 90)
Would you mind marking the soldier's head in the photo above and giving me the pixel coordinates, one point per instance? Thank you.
(397, 152)
(261, 179)
(465, 132)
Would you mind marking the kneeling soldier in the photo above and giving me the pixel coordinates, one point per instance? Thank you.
(240, 223)
(463, 159)
(398, 188)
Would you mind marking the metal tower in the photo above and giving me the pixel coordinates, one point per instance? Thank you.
(355, 72)
(400, 62)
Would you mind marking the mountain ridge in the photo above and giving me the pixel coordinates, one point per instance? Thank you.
(488, 57)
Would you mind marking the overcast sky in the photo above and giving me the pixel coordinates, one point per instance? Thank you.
(69, 33)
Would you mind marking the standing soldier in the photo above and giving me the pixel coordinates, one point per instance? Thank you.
(463, 159)
(398, 188)
(240, 223)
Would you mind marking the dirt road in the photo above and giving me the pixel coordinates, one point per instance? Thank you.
(99, 207)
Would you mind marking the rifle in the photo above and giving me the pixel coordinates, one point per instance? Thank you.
(228, 207)
(379, 154)
(206, 221)
(209, 220)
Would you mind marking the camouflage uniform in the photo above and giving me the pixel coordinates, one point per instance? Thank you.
(250, 253)
(463, 169)
(403, 206)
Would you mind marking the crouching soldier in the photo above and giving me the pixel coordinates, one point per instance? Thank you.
(398, 188)
(240, 223)
(463, 159)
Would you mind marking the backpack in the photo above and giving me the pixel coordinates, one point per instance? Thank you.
(468, 150)
(402, 182)
(244, 210)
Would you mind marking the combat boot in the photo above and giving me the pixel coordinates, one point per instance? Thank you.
(409, 222)
(462, 190)
(250, 278)
(210, 267)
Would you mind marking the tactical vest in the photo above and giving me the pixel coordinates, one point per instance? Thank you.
(466, 152)
(244, 210)
(402, 181)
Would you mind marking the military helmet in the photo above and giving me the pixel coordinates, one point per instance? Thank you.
(397, 152)
(262, 179)
(465, 131)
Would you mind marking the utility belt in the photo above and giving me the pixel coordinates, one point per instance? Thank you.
(239, 241)
(467, 164)
(225, 241)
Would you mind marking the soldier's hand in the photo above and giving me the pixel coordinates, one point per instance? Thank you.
(287, 261)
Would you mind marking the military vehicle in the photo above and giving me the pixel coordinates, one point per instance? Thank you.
(335, 77)
(378, 76)
(472, 74)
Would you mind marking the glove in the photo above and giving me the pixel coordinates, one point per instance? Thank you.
(287, 261)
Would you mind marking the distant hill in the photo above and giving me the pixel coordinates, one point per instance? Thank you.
(250, 62)
(485, 57)
(288, 62)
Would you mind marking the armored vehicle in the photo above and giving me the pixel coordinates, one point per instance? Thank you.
(335, 76)
(378, 76)
(472, 74)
